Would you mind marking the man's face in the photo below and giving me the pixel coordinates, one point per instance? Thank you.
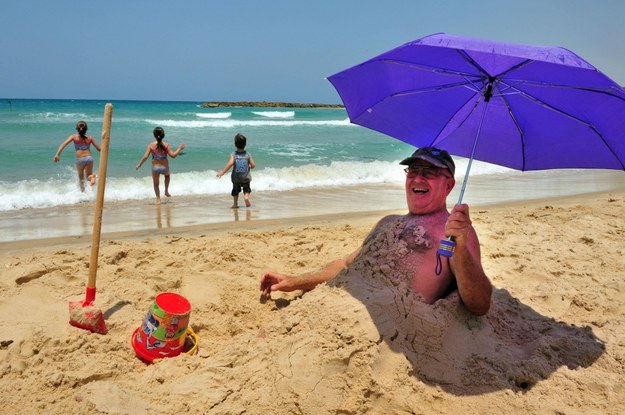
(427, 187)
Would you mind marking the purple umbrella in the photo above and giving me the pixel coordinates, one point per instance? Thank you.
(520, 106)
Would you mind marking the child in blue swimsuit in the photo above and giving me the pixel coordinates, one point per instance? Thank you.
(160, 164)
(84, 159)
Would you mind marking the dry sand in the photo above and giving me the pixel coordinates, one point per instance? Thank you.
(553, 342)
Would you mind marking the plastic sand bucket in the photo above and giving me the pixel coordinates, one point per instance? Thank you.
(164, 330)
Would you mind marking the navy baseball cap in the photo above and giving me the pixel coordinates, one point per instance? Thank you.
(437, 157)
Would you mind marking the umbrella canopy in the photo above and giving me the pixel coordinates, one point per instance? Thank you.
(519, 106)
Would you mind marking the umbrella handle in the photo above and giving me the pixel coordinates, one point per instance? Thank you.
(445, 249)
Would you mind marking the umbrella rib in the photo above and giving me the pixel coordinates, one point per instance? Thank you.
(608, 91)
(431, 89)
(572, 117)
(485, 73)
(411, 92)
(518, 127)
(429, 68)
(451, 117)
(515, 67)
(467, 83)
(470, 78)
(464, 55)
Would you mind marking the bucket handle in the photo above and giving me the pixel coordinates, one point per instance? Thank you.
(192, 350)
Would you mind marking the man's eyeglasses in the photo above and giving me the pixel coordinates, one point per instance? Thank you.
(426, 172)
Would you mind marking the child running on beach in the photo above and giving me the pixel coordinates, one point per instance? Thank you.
(241, 175)
(160, 164)
(84, 159)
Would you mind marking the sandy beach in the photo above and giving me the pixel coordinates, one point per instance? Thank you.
(553, 342)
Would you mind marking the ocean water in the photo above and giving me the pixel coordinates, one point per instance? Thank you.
(293, 149)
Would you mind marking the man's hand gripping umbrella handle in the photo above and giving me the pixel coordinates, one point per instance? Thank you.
(447, 246)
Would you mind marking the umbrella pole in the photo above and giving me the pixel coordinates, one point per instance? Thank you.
(447, 246)
(477, 136)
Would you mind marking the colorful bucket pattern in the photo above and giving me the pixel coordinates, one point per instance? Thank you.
(164, 329)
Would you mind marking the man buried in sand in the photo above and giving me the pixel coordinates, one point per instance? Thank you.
(405, 247)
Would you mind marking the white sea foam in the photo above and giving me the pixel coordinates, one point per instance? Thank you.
(61, 117)
(231, 123)
(36, 193)
(275, 114)
(214, 115)
(293, 151)
(63, 189)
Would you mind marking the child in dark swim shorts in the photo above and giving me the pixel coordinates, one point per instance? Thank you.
(242, 163)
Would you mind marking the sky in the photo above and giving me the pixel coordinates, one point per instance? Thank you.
(270, 50)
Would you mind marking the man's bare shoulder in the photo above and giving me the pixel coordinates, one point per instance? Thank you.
(390, 218)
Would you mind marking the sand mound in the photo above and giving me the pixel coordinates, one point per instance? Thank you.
(552, 342)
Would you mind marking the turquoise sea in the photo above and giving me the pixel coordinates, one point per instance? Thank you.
(293, 148)
(309, 161)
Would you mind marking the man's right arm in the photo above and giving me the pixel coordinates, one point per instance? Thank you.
(272, 281)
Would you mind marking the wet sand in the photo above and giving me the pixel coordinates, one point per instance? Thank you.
(144, 216)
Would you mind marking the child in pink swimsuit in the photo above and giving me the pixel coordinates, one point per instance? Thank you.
(84, 159)
(160, 164)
